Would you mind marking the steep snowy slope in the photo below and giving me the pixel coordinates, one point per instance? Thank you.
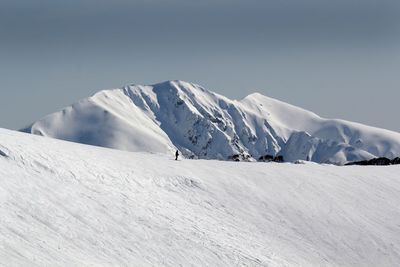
(107, 119)
(203, 124)
(67, 204)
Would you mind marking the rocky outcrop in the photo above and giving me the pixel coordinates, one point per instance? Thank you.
(382, 161)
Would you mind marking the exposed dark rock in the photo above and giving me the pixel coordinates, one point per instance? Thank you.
(179, 102)
(240, 157)
(268, 158)
(376, 161)
(381, 161)
(278, 159)
(235, 157)
(396, 161)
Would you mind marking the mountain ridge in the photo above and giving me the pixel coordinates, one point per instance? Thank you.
(202, 124)
(68, 204)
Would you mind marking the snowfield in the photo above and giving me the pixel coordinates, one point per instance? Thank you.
(68, 204)
(173, 115)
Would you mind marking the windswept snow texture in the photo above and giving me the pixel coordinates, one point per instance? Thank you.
(68, 204)
(202, 124)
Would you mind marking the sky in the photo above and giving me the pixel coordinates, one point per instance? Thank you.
(340, 59)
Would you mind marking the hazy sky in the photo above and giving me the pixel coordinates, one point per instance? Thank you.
(338, 58)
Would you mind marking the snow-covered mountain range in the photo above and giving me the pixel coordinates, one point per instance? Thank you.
(202, 124)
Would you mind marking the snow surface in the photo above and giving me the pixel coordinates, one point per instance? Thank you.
(68, 204)
(201, 124)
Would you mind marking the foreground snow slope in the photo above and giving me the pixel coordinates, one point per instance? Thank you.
(202, 124)
(64, 203)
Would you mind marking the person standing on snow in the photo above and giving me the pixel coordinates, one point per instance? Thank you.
(176, 155)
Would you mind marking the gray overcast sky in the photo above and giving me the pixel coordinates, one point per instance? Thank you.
(340, 59)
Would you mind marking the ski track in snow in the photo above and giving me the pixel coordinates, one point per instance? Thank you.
(67, 204)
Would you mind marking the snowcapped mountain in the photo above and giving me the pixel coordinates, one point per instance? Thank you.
(68, 204)
(202, 124)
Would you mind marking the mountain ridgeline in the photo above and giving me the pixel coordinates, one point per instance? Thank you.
(202, 124)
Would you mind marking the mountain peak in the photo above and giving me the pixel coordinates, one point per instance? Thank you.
(254, 95)
(168, 83)
(181, 115)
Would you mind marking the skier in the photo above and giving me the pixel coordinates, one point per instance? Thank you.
(176, 155)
